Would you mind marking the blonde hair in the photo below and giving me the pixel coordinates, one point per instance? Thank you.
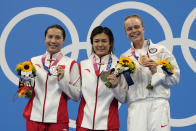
(133, 16)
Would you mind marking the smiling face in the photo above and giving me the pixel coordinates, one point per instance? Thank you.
(134, 30)
(54, 40)
(101, 44)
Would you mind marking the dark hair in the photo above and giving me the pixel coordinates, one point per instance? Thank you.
(105, 30)
(58, 27)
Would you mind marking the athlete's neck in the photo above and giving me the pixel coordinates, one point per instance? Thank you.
(138, 45)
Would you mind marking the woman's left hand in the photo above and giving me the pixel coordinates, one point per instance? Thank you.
(151, 64)
(113, 80)
(60, 72)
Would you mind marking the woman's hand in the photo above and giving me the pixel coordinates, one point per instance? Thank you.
(113, 80)
(60, 72)
(151, 64)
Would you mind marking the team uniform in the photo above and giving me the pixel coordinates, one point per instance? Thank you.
(148, 110)
(98, 108)
(48, 106)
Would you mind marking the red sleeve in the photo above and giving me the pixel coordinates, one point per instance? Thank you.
(72, 63)
(79, 65)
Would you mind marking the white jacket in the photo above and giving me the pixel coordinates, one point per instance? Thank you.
(98, 108)
(49, 101)
(161, 81)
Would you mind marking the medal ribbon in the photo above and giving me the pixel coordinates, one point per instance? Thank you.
(133, 51)
(59, 57)
(109, 64)
(96, 68)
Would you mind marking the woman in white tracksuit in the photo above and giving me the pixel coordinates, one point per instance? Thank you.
(148, 109)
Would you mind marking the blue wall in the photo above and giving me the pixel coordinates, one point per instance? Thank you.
(168, 22)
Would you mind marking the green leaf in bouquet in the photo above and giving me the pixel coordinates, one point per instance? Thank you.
(108, 84)
(28, 94)
(131, 66)
(168, 66)
(149, 86)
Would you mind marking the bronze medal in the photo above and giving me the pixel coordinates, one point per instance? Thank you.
(142, 59)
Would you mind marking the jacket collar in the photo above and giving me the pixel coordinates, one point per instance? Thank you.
(54, 56)
(103, 59)
(147, 44)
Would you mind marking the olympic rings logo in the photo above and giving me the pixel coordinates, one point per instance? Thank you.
(184, 41)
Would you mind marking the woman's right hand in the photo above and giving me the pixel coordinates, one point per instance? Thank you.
(113, 80)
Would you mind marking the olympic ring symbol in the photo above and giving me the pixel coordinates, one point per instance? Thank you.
(76, 45)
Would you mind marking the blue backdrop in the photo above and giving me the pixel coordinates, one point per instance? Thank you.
(168, 22)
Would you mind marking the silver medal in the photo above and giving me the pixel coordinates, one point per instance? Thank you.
(53, 70)
(103, 75)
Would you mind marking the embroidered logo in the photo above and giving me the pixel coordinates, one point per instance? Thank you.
(153, 50)
(63, 66)
(38, 65)
(162, 126)
(87, 70)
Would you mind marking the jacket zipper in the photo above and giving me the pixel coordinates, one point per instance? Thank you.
(96, 97)
(46, 91)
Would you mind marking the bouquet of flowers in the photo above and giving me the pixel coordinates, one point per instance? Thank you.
(26, 71)
(124, 66)
(166, 66)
